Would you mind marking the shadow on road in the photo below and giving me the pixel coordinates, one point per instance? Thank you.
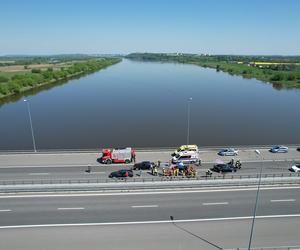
(195, 235)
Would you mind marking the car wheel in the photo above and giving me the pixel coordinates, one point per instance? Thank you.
(127, 161)
(108, 161)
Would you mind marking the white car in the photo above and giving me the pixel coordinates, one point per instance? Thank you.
(296, 168)
(186, 157)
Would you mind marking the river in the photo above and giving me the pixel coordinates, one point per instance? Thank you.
(145, 104)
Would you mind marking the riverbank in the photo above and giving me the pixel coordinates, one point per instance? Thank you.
(22, 82)
(281, 72)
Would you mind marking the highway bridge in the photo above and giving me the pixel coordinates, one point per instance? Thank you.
(55, 165)
(203, 218)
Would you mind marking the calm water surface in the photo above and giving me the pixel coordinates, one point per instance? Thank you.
(145, 105)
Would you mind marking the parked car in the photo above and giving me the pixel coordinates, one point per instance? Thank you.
(144, 165)
(121, 173)
(224, 167)
(185, 148)
(298, 149)
(279, 149)
(295, 168)
(228, 152)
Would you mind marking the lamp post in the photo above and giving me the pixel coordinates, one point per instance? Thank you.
(31, 127)
(256, 201)
(188, 120)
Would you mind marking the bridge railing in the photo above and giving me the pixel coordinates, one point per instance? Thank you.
(269, 248)
(142, 179)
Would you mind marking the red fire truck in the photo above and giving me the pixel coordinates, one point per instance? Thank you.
(118, 155)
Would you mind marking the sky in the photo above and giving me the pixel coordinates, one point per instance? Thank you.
(245, 27)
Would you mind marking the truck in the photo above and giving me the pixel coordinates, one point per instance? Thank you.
(118, 155)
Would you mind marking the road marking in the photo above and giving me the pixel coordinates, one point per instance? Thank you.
(50, 166)
(153, 222)
(5, 210)
(144, 206)
(70, 208)
(38, 173)
(287, 200)
(112, 165)
(143, 192)
(96, 172)
(214, 203)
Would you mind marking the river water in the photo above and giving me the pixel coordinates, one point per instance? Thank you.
(145, 104)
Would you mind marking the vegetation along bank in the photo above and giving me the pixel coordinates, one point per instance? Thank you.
(281, 71)
(20, 75)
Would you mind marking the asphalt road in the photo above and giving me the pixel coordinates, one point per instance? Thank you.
(90, 158)
(206, 235)
(155, 206)
(102, 171)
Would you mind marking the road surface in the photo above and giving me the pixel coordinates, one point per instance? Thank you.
(72, 166)
(205, 219)
(226, 234)
(90, 158)
(123, 207)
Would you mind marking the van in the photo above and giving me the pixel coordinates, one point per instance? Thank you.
(185, 148)
(187, 157)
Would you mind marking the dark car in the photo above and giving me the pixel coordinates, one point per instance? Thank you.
(121, 173)
(298, 149)
(224, 167)
(144, 165)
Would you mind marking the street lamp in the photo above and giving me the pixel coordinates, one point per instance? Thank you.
(188, 120)
(256, 202)
(31, 127)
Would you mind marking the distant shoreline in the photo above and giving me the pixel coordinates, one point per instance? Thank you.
(94, 66)
(284, 74)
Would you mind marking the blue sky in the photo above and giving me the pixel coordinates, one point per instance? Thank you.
(124, 26)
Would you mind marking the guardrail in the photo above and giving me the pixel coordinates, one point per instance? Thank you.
(269, 248)
(140, 149)
(126, 186)
(153, 179)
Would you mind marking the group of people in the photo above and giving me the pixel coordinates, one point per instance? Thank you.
(237, 164)
(188, 171)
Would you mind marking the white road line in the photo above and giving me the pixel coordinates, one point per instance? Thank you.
(96, 165)
(5, 210)
(144, 206)
(152, 222)
(143, 192)
(95, 172)
(70, 208)
(49, 166)
(214, 203)
(286, 200)
(38, 174)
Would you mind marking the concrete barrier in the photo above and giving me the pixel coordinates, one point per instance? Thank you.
(126, 186)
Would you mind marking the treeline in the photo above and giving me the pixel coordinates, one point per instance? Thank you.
(282, 75)
(27, 60)
(22, 82)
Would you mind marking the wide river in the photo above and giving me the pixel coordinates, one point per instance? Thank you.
(146, 105)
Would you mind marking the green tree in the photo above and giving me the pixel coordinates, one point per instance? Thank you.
(3, 79)
(35, 71)
(277, 77)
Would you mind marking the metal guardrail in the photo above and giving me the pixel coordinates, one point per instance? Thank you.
(269, 248)
(140, 149)
(126, 186)
(142, 179)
